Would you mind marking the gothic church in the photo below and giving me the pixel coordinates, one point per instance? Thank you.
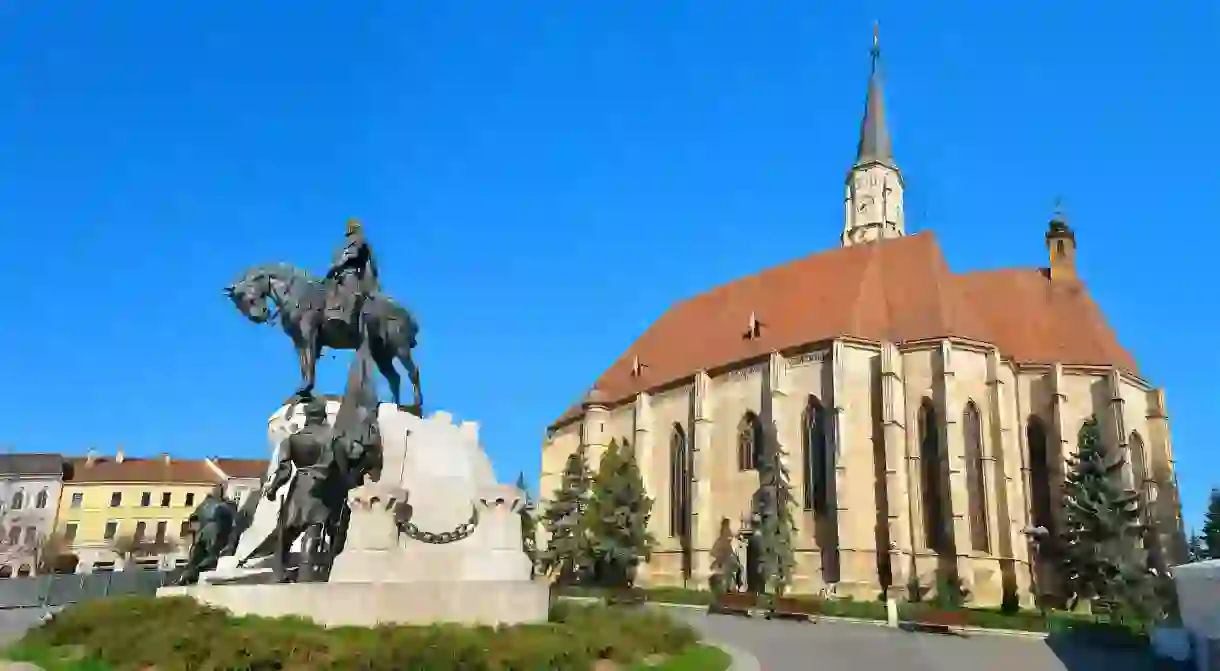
(925, 416)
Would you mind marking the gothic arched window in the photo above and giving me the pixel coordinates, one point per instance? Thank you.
(749, 442)
(816, 460)
(1136, 457)
(679, 484)
(41, 500)
(931, 478)
(976, 489)
(1039, 473)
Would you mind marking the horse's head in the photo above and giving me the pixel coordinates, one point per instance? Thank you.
(250, 295)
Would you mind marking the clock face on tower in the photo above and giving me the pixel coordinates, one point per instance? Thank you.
(865, 203)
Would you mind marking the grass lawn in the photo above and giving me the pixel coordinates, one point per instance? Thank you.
(698, 658)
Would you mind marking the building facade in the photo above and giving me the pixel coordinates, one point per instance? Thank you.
(243, 478)
(29, 495)
(925, 417)
(110, 505)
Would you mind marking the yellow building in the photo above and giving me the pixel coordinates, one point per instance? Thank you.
(109, 502)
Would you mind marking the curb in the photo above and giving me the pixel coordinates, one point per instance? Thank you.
(1010, 633)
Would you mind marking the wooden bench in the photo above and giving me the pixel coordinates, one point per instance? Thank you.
(789, 608)
(626, 597)
(734, 603)
(939, 621)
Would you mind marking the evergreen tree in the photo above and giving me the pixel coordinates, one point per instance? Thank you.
(568, 553)
(1195, 550)
(618, 518)
(529, 526)
(1102, 530)
(773, 504)
(1211, 527)
(725, 565)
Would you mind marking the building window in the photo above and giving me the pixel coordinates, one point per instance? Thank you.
(679, 484)
(138, 536)
(166, 498)
(1139, 474)
(817, 461)
(931, 465)
(24, 571)
(6, 571)
(749, 442)
(78, 499)
(238, 495)
(190, 498)
(116, 499)
(976, 489)
(31, 536)
(69, 533)
(18, 500)
(112, 528)
(41, 500)
(184, 530)
(14, 535)
(1039, 473)
(145, 499)
(161, 528)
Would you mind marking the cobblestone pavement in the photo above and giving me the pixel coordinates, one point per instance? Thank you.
(784, 646)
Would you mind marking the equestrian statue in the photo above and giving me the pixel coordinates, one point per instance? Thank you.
(340, 311)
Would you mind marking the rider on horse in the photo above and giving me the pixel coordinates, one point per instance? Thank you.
(352, 276)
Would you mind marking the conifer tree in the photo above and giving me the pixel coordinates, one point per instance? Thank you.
(529, 526)
(618, 518)
(1102, 532)
(568, 552)
(773, 504)
(725, 564)
(1195, 550)
(1211, 527)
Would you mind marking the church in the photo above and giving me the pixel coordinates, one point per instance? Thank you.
(925, 417)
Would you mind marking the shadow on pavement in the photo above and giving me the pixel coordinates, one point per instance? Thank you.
(1078, 654)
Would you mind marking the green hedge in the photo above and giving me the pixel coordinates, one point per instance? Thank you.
(178, 633)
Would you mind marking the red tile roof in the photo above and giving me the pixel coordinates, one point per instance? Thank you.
(131, 469)
(896, 290)
(242, 468)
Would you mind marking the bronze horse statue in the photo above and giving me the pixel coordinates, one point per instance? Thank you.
(299, 301)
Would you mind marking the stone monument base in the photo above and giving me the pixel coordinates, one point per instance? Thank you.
(367, 604)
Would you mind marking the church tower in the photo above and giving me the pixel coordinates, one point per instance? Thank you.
(873, 199)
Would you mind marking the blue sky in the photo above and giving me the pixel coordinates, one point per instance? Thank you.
(542, 179)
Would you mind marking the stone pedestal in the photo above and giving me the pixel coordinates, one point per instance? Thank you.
(460, 559)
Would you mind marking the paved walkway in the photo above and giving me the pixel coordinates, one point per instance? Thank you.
(783, 646)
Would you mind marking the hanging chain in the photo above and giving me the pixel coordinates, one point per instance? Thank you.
(461, 532)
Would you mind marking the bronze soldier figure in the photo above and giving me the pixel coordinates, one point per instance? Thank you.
(315, 497)
(216, 534)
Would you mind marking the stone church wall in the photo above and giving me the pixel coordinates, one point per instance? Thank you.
(872, 395)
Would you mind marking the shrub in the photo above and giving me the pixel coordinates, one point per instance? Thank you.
(178, 633)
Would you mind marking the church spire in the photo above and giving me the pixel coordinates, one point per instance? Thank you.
(873, 198)
(874, 146)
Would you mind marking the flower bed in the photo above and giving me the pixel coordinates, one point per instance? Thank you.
(178, 633)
